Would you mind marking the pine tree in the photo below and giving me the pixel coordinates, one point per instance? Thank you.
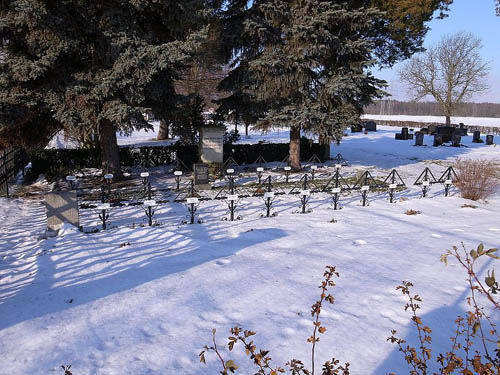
(94, 64)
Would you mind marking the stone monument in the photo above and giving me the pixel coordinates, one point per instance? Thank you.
(419, 139)
(455, 140)
(438, 140)
(200, 173)
(211, 145)
(62, 207)
(476, 137)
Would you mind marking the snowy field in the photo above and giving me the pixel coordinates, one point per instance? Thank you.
(478, 121)
(143, 300)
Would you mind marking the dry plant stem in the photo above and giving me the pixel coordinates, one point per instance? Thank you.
(478, 313)
(416, 319)
(467, 347)
(316, 311)
(468, 265)
(216, 351)
(454, 342)
(407, 354)
(315, 330)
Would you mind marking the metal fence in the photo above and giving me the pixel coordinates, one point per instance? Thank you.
(234, 186)
(11, 162)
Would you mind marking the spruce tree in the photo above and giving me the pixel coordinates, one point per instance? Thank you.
(94, 64)
(306, 63)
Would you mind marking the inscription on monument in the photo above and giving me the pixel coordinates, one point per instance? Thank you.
(212, 140)
(201, 176)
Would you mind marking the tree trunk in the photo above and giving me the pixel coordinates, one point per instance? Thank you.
(294, 152)
(109, 149)
(448, 120)
(163, 131)
(236, 123)
(325, 141)
(246, 129)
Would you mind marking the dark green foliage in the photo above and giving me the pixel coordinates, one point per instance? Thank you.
(188, 119)
(231, 137)
(83, 62)
(247, 154)
(58, 163)
(301, 64)
(304, 63)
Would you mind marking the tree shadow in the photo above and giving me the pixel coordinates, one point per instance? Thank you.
(65, 276)
(443, 325)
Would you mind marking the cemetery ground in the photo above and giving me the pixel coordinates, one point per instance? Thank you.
(135, 299)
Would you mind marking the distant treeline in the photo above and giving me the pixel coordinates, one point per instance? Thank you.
(394, 107)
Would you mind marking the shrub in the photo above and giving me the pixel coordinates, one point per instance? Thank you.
(476, 179)
(261, 358)
(57, 163)
(475, 326)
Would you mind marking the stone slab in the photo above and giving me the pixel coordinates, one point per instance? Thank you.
(212, 145)
(200, 173)
(61, 207)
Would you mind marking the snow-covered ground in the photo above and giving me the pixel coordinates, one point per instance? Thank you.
(477, 121)
(148, 137)
(143, 300)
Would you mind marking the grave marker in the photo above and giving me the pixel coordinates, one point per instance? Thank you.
(476, 137)
(211, 144)
(446, 132)
(201, 176)
(356, 128)
(489, 139)
(438, 140)
(371, 126)
(62, 207)
(419, 139)
(455, 140)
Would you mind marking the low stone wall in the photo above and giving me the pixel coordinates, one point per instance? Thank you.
(416, 124)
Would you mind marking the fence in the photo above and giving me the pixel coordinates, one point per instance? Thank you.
(11, 162)
(304, 185)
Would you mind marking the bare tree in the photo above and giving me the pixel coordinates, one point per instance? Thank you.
(451, 71)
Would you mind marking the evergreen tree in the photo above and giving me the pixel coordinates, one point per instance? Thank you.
(305, 63)
(94, 64)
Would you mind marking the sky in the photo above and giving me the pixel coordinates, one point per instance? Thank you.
(475, 16)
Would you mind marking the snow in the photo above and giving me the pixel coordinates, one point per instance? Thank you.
(477, 121)
(143, 300)
(147, 137)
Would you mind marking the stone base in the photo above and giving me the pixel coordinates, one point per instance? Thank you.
(203, 187)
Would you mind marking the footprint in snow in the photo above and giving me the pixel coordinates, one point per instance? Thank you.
(359, 242)
(436, 235)
(494, 229)
(223, 262)
(457, 230)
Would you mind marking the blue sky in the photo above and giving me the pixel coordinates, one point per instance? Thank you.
(475, 16)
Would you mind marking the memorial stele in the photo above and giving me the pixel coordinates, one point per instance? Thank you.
(62, 207)
(211, 144)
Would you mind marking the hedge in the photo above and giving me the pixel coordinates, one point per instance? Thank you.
(56, 163)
